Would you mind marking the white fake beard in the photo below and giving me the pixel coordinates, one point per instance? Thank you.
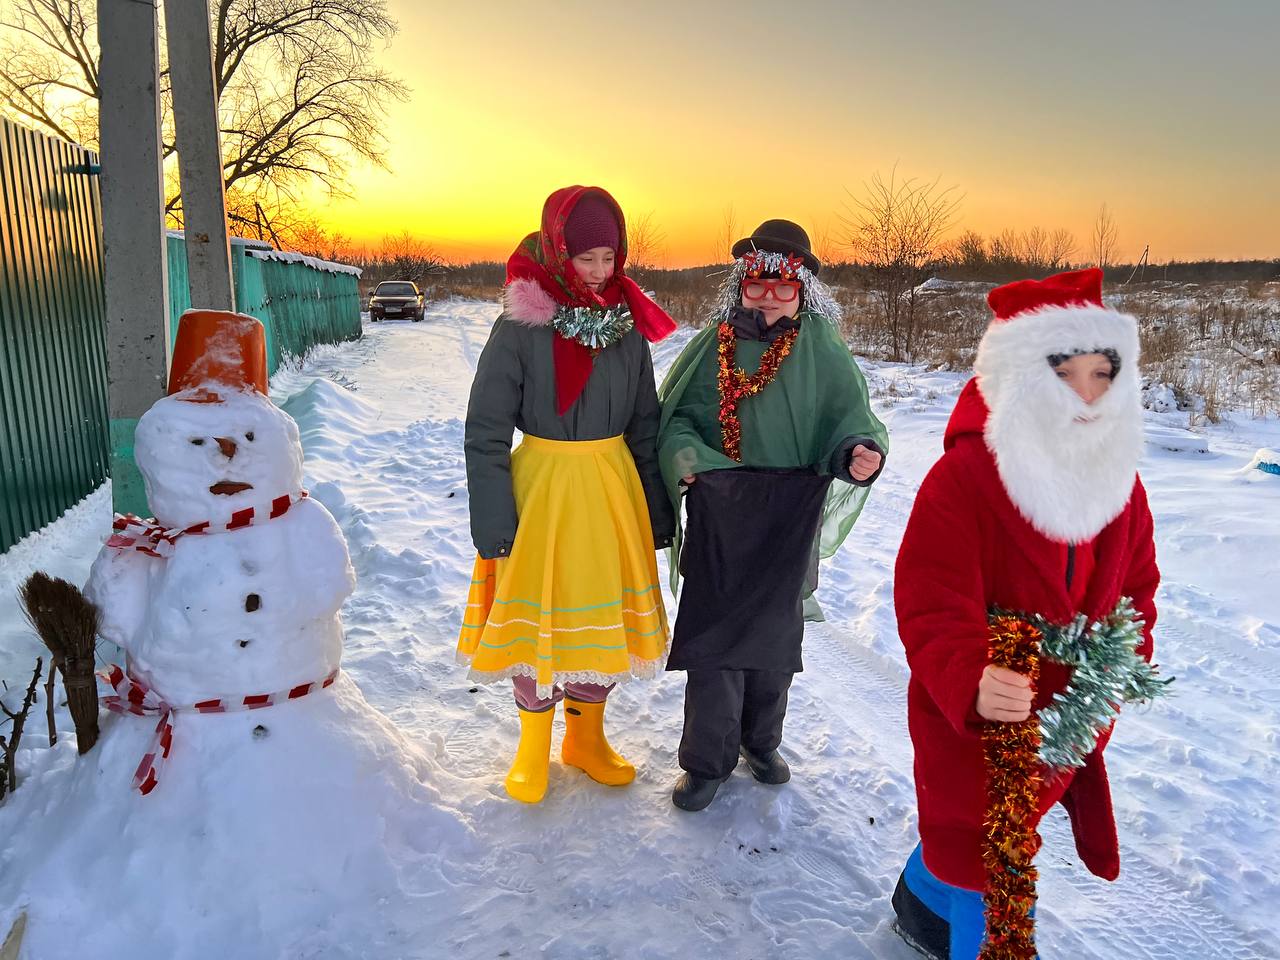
(1068, 466)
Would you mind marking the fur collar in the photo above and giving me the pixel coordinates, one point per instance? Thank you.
(1068, 478)
(525, 302)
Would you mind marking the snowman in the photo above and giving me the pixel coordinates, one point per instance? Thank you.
(245, 800)
(228, 602)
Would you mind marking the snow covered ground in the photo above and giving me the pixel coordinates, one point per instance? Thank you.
(801, 871)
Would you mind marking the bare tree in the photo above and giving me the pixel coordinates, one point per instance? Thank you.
(1006, 249)
(645, 240)
(309, 236)
(1062, 244)
(896, 229)
(826, 246)
(1104, 238)
(1034, 248)
(49, 68)
(969, 250)
(298, 91)
(727, 236)
(406, 257)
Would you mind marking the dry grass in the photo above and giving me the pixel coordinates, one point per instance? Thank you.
(949, 325)
(1216, 345)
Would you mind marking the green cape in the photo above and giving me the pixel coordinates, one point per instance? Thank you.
(816, 404)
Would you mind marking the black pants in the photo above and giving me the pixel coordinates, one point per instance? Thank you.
(724, 709)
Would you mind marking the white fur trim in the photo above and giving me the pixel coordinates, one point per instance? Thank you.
(1067, 478)
(524, 301)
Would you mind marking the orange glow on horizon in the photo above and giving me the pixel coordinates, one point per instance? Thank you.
(509, 107)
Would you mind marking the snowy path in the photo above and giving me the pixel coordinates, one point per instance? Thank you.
(805, 870)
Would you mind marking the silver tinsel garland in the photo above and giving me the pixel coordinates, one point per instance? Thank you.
(1106, 672)
(595, 329)
(818, 297)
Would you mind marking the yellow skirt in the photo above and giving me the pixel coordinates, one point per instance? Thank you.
(578, 599)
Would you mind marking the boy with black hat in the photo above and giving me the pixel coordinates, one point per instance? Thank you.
(762, 411)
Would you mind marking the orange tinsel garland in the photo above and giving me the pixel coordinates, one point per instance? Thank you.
(1013, 803)
(735, 385)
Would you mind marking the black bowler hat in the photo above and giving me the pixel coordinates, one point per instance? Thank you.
(779, 236)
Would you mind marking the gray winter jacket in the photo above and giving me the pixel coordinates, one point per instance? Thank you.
(515, 389)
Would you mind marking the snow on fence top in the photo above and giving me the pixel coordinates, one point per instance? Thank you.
(327, 265)
(261, 250)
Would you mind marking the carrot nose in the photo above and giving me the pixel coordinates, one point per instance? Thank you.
(227, 446)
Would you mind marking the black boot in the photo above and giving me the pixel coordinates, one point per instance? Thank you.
(695, 793)
(769, 768)
(915, 923)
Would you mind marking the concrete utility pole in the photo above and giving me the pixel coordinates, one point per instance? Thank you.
(195, 115)
(133, 237)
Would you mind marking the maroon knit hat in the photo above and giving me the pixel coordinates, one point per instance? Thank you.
(591, 224)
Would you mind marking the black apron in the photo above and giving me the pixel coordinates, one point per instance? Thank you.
(748, 550)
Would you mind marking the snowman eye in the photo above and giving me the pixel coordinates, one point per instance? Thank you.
(198, 441)
(249, 436)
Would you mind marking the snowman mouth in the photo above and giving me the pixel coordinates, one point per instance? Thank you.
(226, 488)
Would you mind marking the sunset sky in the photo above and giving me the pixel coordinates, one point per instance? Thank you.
(1038, 112)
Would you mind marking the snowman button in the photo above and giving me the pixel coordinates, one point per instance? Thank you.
(252, 602)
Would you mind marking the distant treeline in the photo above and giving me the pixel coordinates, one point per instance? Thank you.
(691, 288)
(1199, 271)
(1175, 271)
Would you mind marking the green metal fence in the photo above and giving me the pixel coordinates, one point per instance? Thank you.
(53, 390)
(54, 446)
(300, 301)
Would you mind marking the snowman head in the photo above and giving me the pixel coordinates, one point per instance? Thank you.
(204, 460)
(216, 444)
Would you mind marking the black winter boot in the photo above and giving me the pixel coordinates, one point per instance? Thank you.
(769, 768)
(915, 923)
(694, 793)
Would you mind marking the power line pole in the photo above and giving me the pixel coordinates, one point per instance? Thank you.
(195, 116)
(133, 238)
(1141, 264)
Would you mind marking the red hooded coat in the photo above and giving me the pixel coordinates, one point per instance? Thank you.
(967, 549)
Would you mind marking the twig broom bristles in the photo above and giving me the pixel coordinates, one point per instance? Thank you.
(68, 624)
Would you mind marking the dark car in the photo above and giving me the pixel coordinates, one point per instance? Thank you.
(394, 299)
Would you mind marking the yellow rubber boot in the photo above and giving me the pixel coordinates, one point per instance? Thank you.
(527, 779)
(586, 748)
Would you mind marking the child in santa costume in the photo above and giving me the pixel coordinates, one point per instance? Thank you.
(768, 434)
(564, 597)
(1035, 512)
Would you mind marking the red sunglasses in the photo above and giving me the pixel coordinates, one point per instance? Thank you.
(784, 291)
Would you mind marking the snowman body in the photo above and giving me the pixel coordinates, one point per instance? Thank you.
(248, 611)
(248, 604)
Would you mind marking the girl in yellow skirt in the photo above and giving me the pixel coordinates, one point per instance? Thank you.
(564, 597)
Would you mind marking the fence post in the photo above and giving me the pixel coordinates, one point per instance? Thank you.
(132, 230)
(195, 117)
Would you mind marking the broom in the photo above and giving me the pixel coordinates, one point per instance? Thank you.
(68, 624)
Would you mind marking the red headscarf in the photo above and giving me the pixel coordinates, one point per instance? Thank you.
(544, 258)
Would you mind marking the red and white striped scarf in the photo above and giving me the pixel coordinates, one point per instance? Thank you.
(134, 697)
(157, 541)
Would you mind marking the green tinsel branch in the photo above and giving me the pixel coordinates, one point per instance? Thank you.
(1106, 671)
(595, 329)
